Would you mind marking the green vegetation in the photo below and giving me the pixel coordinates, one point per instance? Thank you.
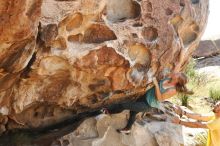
(200, 84)
(201, 139)
(190, 69)
(184, 99)
(203, 86)
(195, 79)
(206, 90)
(214, 94)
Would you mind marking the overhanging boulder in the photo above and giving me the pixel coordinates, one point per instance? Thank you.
(59, 58)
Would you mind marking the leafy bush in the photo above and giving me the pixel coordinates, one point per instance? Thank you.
(214, 94)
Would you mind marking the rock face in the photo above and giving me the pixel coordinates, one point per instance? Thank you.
(145, 133)
(207, 48)
(59, 58)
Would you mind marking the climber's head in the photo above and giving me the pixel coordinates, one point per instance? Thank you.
(216, 109)
(180, 80)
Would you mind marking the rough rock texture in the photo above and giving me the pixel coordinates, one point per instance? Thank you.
(209, 61)
(59, 58)
(207, 48)
(217, 43)
(210, 67)
(145, 133)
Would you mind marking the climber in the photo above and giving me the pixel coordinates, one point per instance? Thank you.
(209, 121)
(167, 87)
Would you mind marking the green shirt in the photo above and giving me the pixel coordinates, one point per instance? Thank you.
(151, 96)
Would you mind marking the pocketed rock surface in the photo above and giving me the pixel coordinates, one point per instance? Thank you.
(59, 58)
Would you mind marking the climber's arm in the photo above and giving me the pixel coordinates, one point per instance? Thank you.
(179, 63)
(161, 97)
(200, 117)
(157, 90)
(190, 124)
(190, 114)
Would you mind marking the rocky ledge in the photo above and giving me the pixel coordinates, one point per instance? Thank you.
(101, 131)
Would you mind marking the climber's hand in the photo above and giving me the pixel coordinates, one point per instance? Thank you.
(178, 110)
(176, 120)
(155, 81)
(105, 111)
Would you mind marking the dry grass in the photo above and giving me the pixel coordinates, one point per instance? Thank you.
(214, 93)
(201, 139)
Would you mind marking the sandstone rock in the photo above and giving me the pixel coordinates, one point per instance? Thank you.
(210, 61)
(115, 121)
(3, 122)
(206, 48)
(87, 129)
(167, 134)
(111, 138)
(93, 130)
(19, 28)
(217, 43)
(60, 58)
(72, 140)
(140, 136)
(144, 133)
